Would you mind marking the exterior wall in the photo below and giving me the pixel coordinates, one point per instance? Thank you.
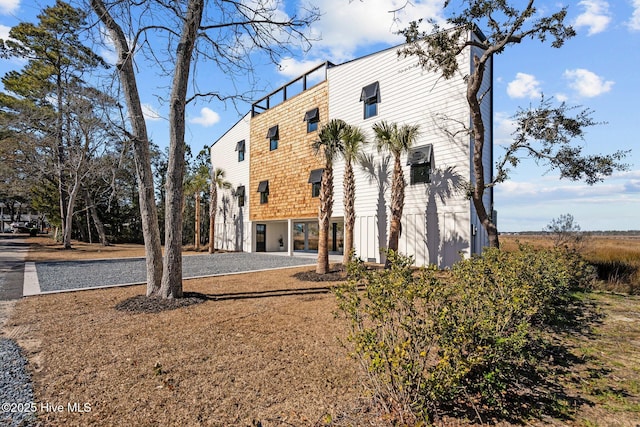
(438, 220)
(287, 168)
(436, 217)
(233, 228)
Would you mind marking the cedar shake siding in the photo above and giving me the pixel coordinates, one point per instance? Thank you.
(288, 166)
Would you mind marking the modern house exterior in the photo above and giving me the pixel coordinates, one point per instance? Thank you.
(267, 156)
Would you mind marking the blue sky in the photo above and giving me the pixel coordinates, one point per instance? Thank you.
(597, 69)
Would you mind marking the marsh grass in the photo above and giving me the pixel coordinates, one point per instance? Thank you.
(616, 259)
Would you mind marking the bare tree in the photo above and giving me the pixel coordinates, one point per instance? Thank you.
(227, 35)
(140, 140)
(489, 27)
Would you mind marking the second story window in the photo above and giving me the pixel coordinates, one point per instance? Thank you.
(312, 117)
(420, 159)
(263, 189)
(240, 149)
(371, 97)
(315, 179)
(273, 136)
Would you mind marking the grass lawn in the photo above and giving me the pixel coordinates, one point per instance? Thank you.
(258, 351)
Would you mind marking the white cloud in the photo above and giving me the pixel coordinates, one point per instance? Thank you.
(4, 32)
(634, 22)
(587, 83)
(504, 127)
(8, 7)
(290, 67)
(524, 86)
(207, 118)
(596, 16)
(150, 113)
(347, 25)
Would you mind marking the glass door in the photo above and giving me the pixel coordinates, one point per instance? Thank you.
(261, 237)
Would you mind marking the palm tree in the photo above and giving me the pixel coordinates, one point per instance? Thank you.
(397, 140)
(353, 140)
(329, 146)
(196, 184)
(217, 182)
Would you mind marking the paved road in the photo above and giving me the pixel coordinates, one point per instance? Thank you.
(12, 253)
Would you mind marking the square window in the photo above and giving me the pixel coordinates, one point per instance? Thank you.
(420, 159)
(421, 173)
(240, 148)
(272, 136)
(370, 109)
(371, 97)
(263, 189)
(315, 179)
(312, 117)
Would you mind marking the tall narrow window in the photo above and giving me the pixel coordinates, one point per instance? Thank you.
(312, 117)
(421, 160)
(240, 195)
(315, 179)
(240, 149)
(371, 97)
(273, 136)
(263, 189)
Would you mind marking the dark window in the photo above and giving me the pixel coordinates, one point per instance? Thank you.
(315, 179)
(421, 160)
(273, 137)
(315, 189)
(240, 195)
(371, 97)
(240, 149)
(312, 117)
(263, 189)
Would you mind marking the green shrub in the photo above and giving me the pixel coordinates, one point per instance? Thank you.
(427, 343)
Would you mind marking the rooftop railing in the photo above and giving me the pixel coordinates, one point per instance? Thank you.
(306, 81)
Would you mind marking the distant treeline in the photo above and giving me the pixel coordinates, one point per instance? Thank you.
(592, 233)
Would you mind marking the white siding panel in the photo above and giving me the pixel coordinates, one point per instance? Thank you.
(408, 95)
(233, 229)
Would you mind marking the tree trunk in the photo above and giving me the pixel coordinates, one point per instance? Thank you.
(96, 219)
(66, 234)
(213, 207)
(324, 216)
(397, 205)
(474, 84)
(64, 203)
(172, 273)
(144, 175)
(197, 222)
(349, 212)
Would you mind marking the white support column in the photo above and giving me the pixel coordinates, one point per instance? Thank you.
(290, 236)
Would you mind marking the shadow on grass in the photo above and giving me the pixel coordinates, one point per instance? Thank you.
(144, 304)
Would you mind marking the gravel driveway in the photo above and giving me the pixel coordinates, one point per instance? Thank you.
(69, 275)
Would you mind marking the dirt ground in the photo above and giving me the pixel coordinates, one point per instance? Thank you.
(259, 349)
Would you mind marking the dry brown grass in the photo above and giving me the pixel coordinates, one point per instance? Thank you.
(247, 357)
(617, 258)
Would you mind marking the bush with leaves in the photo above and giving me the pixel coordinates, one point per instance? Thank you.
(426, 343)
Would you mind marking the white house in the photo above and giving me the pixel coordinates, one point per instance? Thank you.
(267, 157)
